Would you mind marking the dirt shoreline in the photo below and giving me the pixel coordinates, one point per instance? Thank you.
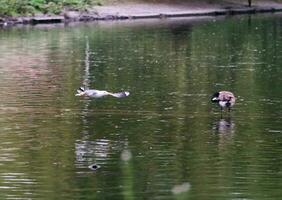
(131, 11)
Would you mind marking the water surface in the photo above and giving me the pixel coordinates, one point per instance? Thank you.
(166, 140)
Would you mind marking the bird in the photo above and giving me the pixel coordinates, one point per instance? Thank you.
(225, 99)
(82, 91)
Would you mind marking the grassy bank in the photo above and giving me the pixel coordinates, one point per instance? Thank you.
(21, 8)
(31, 7)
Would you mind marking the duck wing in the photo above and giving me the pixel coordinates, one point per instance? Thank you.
(226, 96)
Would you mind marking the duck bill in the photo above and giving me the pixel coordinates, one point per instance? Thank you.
(214, 99)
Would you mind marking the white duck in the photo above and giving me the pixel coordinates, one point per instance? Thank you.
(99, 93)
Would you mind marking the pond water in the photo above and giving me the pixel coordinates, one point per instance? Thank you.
(164, 141)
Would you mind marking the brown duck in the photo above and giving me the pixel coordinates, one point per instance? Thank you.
(224, 99)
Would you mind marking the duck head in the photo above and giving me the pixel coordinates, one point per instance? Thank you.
(215, 97)
(80, 91)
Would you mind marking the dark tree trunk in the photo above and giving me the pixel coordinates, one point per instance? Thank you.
(250, 3)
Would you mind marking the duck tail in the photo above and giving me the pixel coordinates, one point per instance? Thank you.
(120, 94)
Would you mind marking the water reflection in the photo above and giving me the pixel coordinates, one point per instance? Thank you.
(84, 148)
(161, 140)
(225, 126)
(88, 152)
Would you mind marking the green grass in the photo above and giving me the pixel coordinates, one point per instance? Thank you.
(31, 7)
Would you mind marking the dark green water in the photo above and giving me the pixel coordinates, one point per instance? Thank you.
(166, 140)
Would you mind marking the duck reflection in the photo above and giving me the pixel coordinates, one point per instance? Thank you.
(225, 126)
(225, 129)
(88, 152)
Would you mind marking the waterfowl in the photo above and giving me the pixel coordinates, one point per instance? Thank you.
(99, 93)
(225, 99)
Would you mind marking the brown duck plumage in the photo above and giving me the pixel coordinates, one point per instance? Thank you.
(225, 99)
